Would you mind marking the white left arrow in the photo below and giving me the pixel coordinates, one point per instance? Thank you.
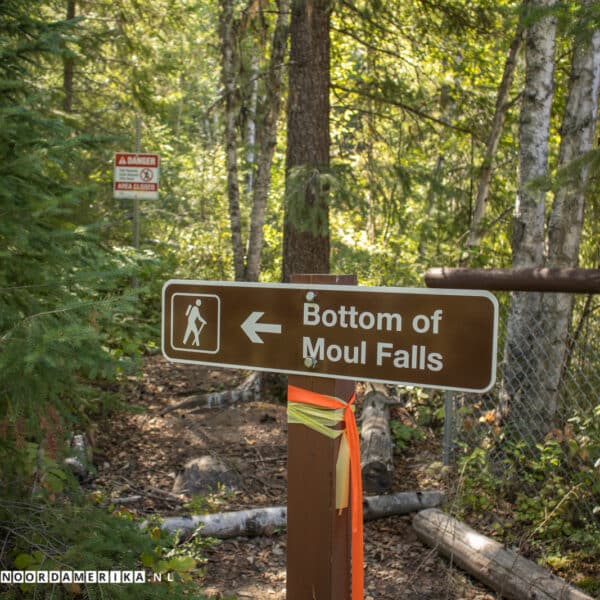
(252, 327)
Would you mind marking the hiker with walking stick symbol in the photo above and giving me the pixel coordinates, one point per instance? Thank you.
(195, 322)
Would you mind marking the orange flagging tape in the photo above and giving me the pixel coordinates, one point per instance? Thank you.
(300, 395)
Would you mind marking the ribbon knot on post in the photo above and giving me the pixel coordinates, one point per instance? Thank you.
(323, 413)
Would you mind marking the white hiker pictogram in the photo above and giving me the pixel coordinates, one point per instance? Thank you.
(195, 322)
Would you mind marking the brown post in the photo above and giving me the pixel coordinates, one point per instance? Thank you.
(318, 538)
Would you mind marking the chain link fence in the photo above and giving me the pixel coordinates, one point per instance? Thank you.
(536, 434)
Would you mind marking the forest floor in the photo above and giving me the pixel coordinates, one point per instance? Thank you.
(140, 453)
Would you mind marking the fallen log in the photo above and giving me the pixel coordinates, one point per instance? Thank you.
(248, 390)
(266, 521)
(503, 570)
(401, 503)
(376, 446)
(246, 523)
(126, 499)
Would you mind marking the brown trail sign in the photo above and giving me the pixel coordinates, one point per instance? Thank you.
(327, 335)
(435, 338)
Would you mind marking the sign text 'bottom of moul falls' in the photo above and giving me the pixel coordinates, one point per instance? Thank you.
(433, 338)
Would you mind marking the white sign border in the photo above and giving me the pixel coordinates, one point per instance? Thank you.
(339, 288)
(139, 194)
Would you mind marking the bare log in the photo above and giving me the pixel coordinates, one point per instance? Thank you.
(247, 391)
(401, 503)
(376, 448)
(265, 521)
(247, 523)
(503, 570)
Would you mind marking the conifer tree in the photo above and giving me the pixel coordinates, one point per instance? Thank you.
(52, 292)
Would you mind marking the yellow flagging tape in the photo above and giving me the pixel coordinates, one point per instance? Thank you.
(319, 419)
(323, 421)
(342, 474)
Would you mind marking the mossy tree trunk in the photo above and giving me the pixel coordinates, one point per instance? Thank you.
(306, 220)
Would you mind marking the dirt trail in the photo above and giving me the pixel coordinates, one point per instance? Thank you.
(142, 453)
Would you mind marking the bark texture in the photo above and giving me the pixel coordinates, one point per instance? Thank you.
(267, 140)
(306, 220)
(376, 447)
(251, 124)
(566, 217)
(230, 59)
(509, 574)
(522, 347)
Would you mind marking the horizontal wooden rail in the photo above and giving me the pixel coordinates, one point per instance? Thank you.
(577, 281)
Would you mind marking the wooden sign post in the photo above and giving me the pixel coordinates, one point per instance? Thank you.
(318, 537)
(325, 332)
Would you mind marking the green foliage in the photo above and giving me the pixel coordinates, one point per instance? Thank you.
(410, 116)
(413, 92)
(427, 407)
(199, 505)
(86, 538)
(61, 288)
(478, 484)
(404, 435)
(542, 500)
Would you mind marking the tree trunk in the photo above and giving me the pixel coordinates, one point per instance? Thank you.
(266, 521)
(433, 191)
(251, 123)
(522, 347)
(306, 219)
(69, 67)
(267, 140)
(228, 76)
(485, 172)
(503, 570)
(566, 218)
(376, 448)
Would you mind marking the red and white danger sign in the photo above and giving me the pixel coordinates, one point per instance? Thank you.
(136, 176)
